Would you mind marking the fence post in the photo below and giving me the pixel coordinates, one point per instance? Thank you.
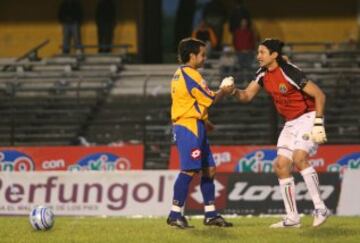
(144, 116)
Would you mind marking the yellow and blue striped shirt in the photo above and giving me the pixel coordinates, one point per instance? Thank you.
(191, 98)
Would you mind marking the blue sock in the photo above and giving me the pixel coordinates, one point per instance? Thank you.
(181, 188)
(208, 191)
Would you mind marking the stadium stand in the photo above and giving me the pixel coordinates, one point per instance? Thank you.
(49, 101)
(64, 99)
(137, 110)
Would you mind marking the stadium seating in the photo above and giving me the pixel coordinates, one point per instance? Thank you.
(65, 99)
(48, 102)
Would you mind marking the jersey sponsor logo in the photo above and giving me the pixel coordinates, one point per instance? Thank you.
(282, 88)
(195, 153)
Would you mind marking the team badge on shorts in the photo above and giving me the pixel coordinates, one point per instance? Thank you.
(306, 136)
(195, 154)
(282, 88)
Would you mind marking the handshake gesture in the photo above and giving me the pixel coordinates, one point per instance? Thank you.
(227, 85)
(318, 134)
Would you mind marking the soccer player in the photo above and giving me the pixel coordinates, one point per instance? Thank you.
(191, 99)
(301, 103)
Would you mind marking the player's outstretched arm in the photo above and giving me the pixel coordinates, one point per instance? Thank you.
(246, 95)
(227, 87)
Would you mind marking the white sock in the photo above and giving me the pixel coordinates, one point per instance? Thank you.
(312, 183)
(287, 187)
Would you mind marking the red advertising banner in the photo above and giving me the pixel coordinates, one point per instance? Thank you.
(331, 158)
(71, 158)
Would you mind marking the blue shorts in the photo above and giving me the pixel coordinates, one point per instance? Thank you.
(194, 152)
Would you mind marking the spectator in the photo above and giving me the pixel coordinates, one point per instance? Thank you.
(244, 37)
(215, 15)
(244, 43)
(105, 21)
(199, 12)
(70, 16)
(205, 33)
(237, 14)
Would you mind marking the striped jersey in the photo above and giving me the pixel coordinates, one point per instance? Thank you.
(284, 84)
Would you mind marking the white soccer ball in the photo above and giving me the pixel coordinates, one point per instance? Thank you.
(41, 218)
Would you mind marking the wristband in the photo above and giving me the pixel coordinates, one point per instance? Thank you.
(319, 121)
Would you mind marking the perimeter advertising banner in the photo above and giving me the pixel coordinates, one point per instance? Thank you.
(250, 193)
(349, 203)
(146, 193)
(329, 158)
(71, 158)
(112, 193)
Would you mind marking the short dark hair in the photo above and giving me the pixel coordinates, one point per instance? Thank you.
(188, 46)
(274, 45)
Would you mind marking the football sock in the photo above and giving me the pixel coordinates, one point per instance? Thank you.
(181, 188)
(287, 188)
(208, 191)
(312, 183)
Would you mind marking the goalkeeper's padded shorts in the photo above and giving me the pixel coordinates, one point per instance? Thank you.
(296, 136)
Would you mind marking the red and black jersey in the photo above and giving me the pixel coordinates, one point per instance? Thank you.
(285, 84)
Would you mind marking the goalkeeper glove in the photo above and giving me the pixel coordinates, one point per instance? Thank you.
(318, 134)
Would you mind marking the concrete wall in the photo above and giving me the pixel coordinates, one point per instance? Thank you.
(24, 24)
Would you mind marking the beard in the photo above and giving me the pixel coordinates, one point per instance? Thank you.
(200, 64)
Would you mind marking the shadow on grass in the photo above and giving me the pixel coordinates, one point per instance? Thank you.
(214, 233)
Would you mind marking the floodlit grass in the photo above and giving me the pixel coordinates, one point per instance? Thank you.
(119, 229)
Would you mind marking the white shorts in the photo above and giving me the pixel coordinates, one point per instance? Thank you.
(296, 135)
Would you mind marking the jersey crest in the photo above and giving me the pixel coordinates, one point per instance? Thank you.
(282, 88)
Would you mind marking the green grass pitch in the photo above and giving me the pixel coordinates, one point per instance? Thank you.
(119, 229)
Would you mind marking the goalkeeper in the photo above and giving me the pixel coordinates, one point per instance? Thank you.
(191, 99)
(301, 103)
